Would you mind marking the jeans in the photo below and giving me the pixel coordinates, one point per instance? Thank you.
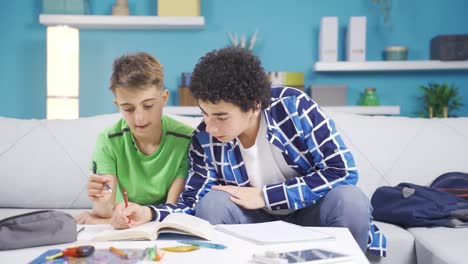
(343, 206)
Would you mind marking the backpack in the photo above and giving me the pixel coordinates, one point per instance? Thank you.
(411, 205)
(452, 182)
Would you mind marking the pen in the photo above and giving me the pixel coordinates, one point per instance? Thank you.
(79, 230)
(202, 244)
(118, 252)
(108, 188)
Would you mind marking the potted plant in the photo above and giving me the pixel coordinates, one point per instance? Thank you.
(385, 8)
(439, 100)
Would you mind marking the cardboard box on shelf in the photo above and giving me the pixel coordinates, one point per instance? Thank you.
(329, 94)
(185, 98)
(178, 7)
(290, 79)
(69, 7)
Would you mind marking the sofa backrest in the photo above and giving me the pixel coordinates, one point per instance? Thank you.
(393, 149)
(45, 163)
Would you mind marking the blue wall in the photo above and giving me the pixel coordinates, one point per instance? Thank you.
(287, 42)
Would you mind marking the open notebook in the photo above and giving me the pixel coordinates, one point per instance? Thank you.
(275, 232)
(174, 223)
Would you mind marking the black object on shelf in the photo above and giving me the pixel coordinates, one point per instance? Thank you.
(449, 47)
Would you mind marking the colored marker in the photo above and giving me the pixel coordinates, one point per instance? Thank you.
(202, 244)
(77, 252)
(180, 248)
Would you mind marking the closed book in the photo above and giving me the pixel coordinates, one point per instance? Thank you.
(328, 39)
(356, 39)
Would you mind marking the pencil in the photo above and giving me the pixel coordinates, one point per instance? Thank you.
(126, 200)
(118, 252)
(125, 197)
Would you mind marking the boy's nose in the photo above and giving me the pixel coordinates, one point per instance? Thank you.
(139, 116)
(210, 128)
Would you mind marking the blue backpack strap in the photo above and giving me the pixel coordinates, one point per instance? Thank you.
(453, 182)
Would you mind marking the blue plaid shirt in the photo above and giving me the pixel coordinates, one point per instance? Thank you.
(310, 144)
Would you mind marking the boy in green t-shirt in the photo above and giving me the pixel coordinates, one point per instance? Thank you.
(145, 152)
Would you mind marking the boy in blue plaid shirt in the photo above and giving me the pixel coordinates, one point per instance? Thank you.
(267, 153)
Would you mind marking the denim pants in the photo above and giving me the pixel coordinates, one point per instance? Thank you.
(343, 206)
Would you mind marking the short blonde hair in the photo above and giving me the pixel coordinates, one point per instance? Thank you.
(137, 71)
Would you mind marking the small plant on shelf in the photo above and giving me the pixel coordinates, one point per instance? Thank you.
(242, 40)
(385, 8)
(439, 100)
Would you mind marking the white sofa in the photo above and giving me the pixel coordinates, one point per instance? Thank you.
(44, 164)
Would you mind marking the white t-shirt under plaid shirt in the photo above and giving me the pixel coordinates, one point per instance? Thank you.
(265, 163)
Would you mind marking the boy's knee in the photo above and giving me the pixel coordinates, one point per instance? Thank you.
(348, 201)
(214, 206)
(213, 199)
(347, 206)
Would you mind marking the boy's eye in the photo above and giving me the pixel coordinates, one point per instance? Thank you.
(129, 110)
(147, 106)
(222, 118)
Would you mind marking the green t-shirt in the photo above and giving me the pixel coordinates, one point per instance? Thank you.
(147, 178)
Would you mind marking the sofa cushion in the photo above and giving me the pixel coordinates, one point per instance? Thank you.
(400, 245)
(440, 244)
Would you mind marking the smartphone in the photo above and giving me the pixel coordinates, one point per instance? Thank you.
(315, 256)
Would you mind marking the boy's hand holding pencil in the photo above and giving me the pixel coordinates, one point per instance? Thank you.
(99, 187)
(129, 216)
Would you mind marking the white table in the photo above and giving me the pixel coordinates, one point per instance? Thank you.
(238, 251)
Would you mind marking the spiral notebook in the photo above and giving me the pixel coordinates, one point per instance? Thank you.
(275, 232)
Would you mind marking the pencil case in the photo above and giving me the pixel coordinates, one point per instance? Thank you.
(37, 228)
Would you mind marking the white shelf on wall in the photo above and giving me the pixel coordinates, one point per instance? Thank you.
(122, 22)
(427, 65)
(362, 110)
(365, 110)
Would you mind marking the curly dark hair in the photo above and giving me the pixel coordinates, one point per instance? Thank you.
(233, 75)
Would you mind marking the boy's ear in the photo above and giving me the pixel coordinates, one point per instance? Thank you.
(116, 103)
(258, 107)
(165, 96)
